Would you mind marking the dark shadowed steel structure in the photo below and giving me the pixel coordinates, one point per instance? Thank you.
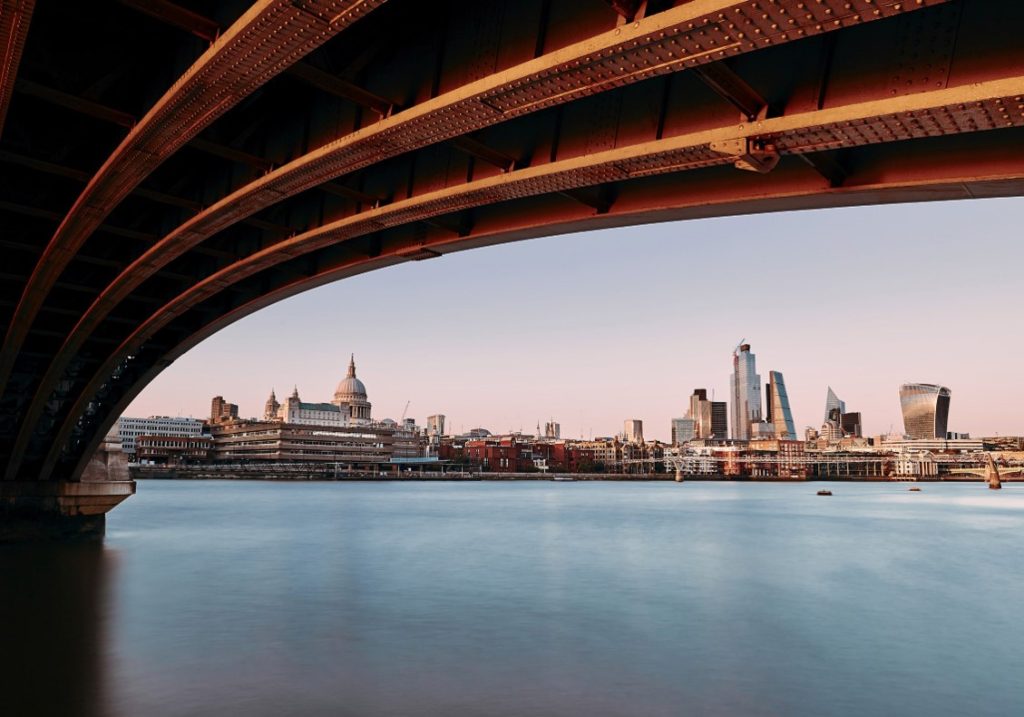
(169, 167)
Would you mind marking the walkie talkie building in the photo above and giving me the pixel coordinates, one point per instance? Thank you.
(925, 410)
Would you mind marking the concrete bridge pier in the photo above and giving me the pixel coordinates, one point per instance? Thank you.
(62, 510)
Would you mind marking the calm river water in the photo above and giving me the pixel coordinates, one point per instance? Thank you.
(247, 598)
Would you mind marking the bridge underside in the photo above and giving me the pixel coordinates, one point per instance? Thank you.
(167, 168)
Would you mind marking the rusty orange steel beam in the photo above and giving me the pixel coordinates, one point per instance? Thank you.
(691, 35)
(982, 106)
(694, 34)
(15, 16)
(266, 40)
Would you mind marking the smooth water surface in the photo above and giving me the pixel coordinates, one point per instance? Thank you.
(533, 598)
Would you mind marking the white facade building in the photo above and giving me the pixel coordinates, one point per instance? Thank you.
(128, 429)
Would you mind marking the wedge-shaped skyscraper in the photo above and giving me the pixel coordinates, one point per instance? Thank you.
(832, 401)
(777, 412)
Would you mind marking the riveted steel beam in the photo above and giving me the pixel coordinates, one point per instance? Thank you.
(962, 110)
(104, 113)
(340, 87)
(209, 30)
(231, 154)
(75, 103)
(15, 17)
(340, 190)
(269, 37)
(478, 149)
(734, 89)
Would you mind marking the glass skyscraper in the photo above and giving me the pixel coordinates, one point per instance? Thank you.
(832, 401)
(682, 430)
(925, 410)
(709, 417)
(777, 407)
(745, 387)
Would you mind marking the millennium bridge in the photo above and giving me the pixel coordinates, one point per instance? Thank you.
(167, 168)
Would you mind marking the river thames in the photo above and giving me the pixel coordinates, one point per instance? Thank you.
(532, 598)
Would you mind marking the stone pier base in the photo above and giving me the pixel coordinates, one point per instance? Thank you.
(57, 510)
(62, 510)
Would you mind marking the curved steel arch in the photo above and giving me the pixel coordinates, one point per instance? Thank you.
(690, 35)
(987, 106)
(647, 119)
(15, 16)
(271, 36)
(803, 194)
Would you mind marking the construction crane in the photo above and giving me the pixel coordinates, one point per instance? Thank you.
(737, 349)
(404, 411)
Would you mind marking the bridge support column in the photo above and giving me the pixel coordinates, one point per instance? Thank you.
(62, 510)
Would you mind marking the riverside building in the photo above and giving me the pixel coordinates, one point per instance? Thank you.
(340, 431)
(350, 406)
(130, 429)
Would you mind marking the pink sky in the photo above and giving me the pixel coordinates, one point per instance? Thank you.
(594, 328)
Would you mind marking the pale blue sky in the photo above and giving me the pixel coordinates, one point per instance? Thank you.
(597, 327)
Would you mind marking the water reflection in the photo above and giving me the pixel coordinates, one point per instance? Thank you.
(52, 629)
(608, 599)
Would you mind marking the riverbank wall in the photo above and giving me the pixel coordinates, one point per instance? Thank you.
(317, 474)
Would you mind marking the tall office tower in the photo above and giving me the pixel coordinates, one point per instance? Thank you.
(850, 423)
(700, 412)
(925, 409)
(777, 407)
(832, 401)
(682, 430)
(633, 431)
(746, 392)
(552, 429)
(698, 395)
(719, 420)
(435, 425)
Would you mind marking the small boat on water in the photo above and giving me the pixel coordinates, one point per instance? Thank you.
(824, 492)
(563, 478)
(915, 489)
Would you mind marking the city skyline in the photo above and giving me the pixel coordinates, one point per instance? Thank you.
(630, 341)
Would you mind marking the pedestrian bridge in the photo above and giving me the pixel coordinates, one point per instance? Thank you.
(168, 168)
(985, 473)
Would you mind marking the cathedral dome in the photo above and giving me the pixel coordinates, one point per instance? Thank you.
(350, 388)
